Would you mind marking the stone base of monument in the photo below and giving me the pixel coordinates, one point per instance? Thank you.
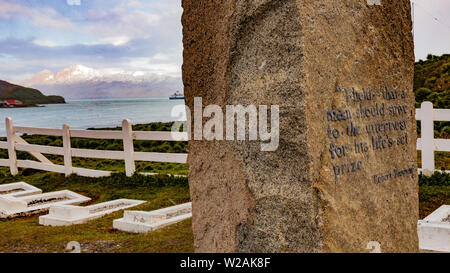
(434, 231)
(64, 215)
(142, 221)
(11, 207)
(18, 189)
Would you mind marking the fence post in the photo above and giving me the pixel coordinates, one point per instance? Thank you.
(67, 150)
(11, 146)
(128, 147)
(427, 131)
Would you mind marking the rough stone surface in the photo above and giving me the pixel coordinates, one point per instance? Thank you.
(301, 55)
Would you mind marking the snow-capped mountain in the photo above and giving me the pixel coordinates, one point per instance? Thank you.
(78, 82)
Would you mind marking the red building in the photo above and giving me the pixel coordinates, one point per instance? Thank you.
(13, 102)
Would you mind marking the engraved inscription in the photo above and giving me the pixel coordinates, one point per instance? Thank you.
(372, 121)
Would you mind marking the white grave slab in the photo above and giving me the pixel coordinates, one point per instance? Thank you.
(143, 221)
(11, 207)
(64, 215)
(434, 231)
(18, 189)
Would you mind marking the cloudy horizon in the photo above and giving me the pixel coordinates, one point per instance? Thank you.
(113, 35)
(136, 35)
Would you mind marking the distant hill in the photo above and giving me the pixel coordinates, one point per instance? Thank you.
(432, 83)
(28, 96)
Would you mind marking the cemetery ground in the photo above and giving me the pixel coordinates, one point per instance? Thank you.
(26, 235)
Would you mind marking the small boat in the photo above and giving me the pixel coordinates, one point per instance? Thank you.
(177, 96)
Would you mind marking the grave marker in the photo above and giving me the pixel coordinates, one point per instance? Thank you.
(11, 207)
(65, 215)
(18, 189)
(434, 231)
(147, 221)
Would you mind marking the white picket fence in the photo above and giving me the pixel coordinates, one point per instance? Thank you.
(427, 143)
(127, 135)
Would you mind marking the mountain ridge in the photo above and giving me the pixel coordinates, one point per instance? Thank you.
(28, 96)
(432, 81)
(81, 82)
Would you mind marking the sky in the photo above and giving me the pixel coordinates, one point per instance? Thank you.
(431, 27)
(127, 35)
(134, 35)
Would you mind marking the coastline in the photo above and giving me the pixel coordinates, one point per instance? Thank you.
(25, 106)
(91, 113)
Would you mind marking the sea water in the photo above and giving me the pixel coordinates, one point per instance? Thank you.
(92, 113)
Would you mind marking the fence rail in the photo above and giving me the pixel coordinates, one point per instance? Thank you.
(427, 143)
(127, 135)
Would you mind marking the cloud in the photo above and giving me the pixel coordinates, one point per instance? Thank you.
(73, 2)
(27, 49)
(122, 25)
(28, 57)
(42, 17)
(9, 9)
(134, 35)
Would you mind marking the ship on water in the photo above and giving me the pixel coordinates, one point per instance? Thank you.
(177, 96)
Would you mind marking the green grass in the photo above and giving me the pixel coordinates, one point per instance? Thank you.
(26, 235)
(434, 192)
(442, 160)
